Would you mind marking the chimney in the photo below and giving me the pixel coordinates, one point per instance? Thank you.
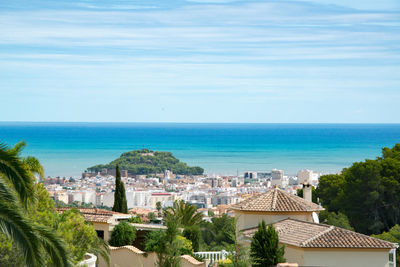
(307, 192)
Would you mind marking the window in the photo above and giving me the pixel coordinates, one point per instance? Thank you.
(100, 233)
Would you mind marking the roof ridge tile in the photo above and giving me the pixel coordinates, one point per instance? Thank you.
(330, 228)
(274, 198)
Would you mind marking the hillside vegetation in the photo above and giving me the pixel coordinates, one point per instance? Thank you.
(149, 162)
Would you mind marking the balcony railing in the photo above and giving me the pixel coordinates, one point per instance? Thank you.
(213, 256)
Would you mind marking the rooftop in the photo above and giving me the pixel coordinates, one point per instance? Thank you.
(276, 200)
(313, 235)
(96, 215)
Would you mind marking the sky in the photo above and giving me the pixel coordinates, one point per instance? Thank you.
(320, 61)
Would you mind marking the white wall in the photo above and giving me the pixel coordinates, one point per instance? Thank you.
(248, 220)
(294, 255)
(347, 257)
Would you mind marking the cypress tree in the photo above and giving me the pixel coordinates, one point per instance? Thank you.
(120, 204)
(265, 250)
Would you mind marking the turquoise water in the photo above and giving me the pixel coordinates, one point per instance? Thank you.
(67, 149)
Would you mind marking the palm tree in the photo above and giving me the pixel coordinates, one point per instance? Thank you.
(16, 187)
(185, 214)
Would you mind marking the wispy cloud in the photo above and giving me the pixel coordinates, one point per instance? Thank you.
(238, 52)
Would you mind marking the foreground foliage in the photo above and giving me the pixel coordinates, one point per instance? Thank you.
(31, 231)
(80, 236)
(36, 244)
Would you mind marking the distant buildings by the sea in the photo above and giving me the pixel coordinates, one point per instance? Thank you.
(144, 191)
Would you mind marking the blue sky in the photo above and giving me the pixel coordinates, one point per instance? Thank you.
(200, 61)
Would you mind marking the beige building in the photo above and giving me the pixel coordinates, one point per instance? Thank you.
(103, 220)
(307, 242)
(160, 197)
(126, 256)
(273, 206)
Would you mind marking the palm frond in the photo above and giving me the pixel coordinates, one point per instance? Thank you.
(13, 169)
(34, 166)
(6, 194)
(18, 147)
(101, 249)
(21, 231)
(54, 246)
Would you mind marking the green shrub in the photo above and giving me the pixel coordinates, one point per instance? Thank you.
(123, 234)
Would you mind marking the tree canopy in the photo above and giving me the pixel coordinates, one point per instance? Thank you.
(218, 234)
(149, 162)
(123, 234)
(368, 192)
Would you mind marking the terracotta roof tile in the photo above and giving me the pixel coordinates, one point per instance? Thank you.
(313, 235)
(276, 200)
(94, 215)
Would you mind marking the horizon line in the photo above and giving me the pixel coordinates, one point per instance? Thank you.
(172, 122)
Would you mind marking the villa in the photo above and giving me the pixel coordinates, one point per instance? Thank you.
(306, 241)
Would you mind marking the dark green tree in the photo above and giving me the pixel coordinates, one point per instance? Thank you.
(149, 162)
(330, 191)
(336, 219)
(218, 234)
(159, 208)
(265, 250)
(193, 234)
(368, 192)
(123, 234)
(120, 204)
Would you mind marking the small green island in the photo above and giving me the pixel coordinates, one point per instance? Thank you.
(145, 161)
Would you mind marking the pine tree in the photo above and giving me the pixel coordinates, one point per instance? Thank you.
(265, 250)
(120, 204)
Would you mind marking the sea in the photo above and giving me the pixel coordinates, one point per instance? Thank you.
(67, 149)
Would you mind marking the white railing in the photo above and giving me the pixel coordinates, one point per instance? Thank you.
(213, 256)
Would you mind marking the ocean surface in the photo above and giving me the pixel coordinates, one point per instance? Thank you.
(67, 149)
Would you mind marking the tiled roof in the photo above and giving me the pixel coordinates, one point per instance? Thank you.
(140, 211)
(95, 215)
(313, 235)
(276, 200)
